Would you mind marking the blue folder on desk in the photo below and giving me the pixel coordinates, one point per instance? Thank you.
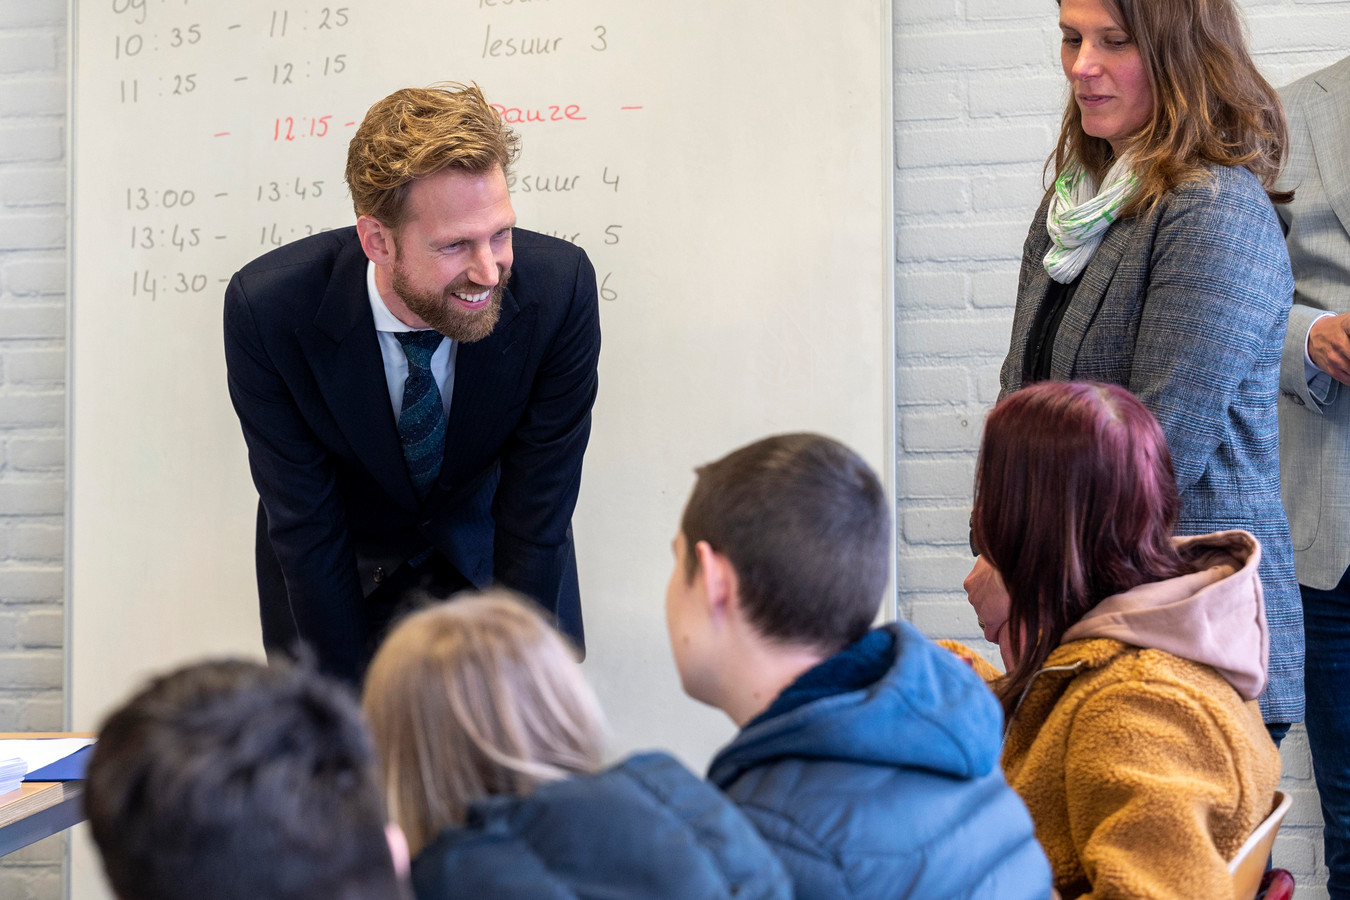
(69, 768)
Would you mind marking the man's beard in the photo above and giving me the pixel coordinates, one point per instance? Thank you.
(440, 312)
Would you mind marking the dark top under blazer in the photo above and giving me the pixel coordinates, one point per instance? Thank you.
(1186, 307)
(307, 380)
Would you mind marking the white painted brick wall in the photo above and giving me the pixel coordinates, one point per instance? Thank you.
(978, 95)
(32, 393)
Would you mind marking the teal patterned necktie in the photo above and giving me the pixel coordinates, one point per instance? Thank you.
(421, 424)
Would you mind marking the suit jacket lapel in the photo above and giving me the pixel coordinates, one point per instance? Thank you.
(1082, 309)
(1038, 284)
(1328, 124)
(486, 376)
(1088, 297)
(344, 354)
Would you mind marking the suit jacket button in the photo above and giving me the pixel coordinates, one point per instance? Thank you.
(379, 574)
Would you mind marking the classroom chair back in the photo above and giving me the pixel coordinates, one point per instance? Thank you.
(1249, 865)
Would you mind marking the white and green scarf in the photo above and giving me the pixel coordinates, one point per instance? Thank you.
(1080, 214)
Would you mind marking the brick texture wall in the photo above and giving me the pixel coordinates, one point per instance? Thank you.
(32, 395)
(978, 94)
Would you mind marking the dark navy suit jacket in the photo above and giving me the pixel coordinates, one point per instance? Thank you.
(338, 510)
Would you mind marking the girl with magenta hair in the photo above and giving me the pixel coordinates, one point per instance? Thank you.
(1134, 658)
(1156, 262)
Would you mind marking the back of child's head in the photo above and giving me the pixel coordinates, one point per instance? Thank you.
(471, 698)
(1074, 484)
(806, 526)
(234, 781)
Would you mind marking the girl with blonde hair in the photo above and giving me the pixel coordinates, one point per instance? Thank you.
(491, 749)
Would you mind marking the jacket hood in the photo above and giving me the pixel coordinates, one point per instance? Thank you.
(1216, 615)
(926, 710)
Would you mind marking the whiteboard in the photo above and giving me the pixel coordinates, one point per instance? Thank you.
(727, 166)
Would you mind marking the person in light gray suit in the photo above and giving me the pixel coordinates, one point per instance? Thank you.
(1315, 428)
(1156, 262)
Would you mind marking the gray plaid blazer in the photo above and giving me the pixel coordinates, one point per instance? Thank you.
(1186, 307)
(1315, 435)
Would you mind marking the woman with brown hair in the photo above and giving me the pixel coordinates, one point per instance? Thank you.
(1134, 659)
(490, 744)
(1156, 262)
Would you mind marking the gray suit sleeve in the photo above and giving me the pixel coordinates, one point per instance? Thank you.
(1302, 176)
(1323, 389)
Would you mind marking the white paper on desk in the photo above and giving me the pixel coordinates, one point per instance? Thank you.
(39, 752)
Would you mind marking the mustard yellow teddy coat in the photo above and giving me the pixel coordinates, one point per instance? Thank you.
(1145, 769)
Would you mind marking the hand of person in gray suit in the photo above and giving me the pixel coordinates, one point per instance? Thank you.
(1329, 346)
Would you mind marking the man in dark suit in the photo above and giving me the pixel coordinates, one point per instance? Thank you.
(416, 391)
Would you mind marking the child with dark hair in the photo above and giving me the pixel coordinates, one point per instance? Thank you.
(234, 781)
(868, 758)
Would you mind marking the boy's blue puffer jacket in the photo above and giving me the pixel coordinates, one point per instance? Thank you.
(876, 775)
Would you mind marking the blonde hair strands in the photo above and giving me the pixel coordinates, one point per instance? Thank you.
(471, 698)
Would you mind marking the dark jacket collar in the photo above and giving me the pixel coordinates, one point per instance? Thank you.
(646, 828)
(927, 710)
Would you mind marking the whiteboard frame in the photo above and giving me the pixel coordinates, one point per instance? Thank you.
(890, 455)
(890, 609)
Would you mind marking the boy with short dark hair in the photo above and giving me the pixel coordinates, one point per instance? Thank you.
(235, 781)
(868, 758)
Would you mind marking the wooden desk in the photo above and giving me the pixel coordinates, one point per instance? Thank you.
(39, 809)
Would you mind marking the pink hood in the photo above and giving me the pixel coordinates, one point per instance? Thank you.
(1215, 616)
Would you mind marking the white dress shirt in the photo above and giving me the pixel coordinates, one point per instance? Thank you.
(1319, 382)
(396, 361)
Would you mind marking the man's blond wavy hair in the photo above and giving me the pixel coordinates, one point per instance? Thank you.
(472, 698)
(418, 132)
